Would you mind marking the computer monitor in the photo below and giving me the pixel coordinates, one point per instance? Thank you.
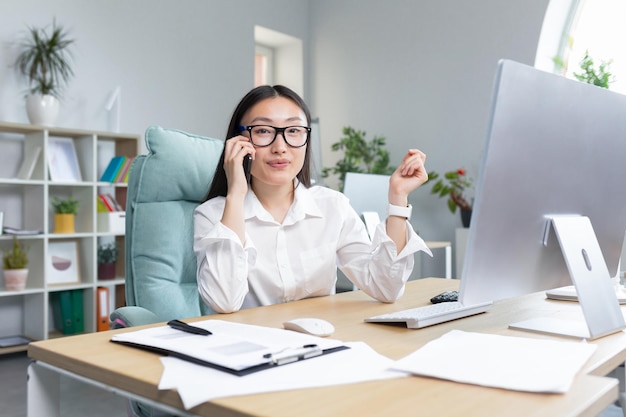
(554, 146)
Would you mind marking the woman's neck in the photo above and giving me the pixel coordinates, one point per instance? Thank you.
(275, 199)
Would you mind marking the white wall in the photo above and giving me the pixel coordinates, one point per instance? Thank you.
(180, 64)
(419, 73)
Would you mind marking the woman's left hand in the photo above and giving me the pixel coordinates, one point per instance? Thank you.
(407, 177)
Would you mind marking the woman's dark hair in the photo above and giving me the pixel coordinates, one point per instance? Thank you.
(219, 185)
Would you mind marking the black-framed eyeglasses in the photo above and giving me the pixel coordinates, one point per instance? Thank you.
(265, 135)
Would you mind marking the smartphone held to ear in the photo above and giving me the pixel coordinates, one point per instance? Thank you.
(247, 161)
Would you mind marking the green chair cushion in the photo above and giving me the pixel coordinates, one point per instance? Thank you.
(165, 186)
(179, 165)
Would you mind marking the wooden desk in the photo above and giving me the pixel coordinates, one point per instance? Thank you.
(137, 372)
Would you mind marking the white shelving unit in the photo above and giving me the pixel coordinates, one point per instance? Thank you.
(26, 205)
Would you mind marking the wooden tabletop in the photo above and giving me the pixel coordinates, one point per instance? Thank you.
(93, 356)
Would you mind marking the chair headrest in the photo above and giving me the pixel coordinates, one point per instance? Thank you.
(179, 165)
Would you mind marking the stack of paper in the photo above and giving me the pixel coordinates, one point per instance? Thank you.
(358, 364)
(227, 355)
(515, 363)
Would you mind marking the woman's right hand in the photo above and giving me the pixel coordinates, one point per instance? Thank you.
(236, 149)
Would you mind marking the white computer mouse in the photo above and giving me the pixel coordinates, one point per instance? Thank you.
(309, 325)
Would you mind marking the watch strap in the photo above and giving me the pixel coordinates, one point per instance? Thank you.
(400, 211)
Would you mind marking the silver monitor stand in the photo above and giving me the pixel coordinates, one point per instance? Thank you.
(591, 278)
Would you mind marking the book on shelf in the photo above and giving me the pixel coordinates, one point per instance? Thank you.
(10, 341)
(123, 173)
(117, 206)
(77, 311)
(31, 156)
(111, 169)
(21, 232)
(108, 203)
(117, 170)
(67, 309)
(102, 308)
(104, 204)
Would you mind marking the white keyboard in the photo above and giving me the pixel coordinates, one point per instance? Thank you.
(429, 315)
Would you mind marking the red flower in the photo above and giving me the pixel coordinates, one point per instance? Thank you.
(452, 185)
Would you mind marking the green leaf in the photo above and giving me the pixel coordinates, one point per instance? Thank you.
(451, 182)
(452, 206)
(45, 59)
(359, 155)
(600, 77)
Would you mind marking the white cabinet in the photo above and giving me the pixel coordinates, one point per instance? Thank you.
(26, 205)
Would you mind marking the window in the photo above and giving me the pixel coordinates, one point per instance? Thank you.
(263, 65)
(574, 27)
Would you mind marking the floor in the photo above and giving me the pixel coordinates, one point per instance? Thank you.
(99, 403)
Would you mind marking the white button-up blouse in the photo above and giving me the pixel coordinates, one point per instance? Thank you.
(298, 258)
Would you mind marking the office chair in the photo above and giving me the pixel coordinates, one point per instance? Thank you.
(164, 188)
(367, 192)
(368, 196)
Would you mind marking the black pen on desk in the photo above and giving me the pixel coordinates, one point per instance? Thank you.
(184, 327)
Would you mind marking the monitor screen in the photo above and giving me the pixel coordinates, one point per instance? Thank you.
(554, 146)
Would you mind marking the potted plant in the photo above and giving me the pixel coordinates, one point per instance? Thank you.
(359, 155)
(15, 262)
(44, 60)
(107, 257)
(453, 185)
(600, 77)
(65, 211)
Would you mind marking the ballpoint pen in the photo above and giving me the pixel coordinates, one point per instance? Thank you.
(184, 327)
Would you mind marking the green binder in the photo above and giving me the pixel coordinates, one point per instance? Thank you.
(63, 311)
(77, 311)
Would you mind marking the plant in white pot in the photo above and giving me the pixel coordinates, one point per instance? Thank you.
(44, 60)
(15, 262)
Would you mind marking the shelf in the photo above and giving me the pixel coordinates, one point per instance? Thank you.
(26, 205)
(13, 349)
(25, 291)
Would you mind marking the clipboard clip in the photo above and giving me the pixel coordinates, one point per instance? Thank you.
(293, 355)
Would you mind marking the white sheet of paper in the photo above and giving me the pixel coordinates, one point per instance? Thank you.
(515, 363)
(357, 364)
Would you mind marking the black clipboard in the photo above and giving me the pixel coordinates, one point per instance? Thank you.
(236, 348)
(242, 372)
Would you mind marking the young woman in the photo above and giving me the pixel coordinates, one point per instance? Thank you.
(276, 238)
